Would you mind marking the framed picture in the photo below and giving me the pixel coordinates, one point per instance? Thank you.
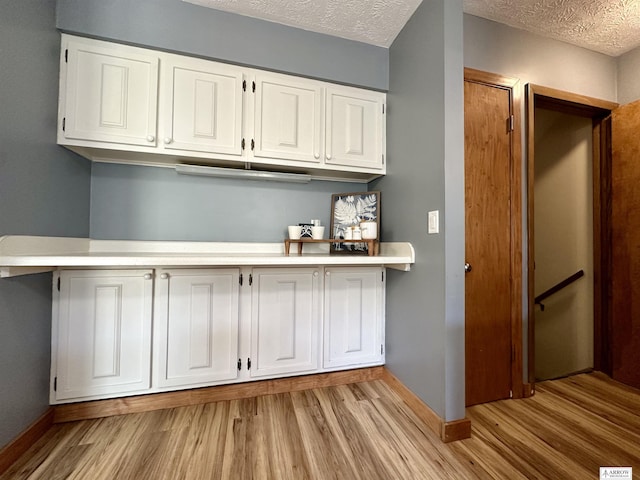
(349, 210)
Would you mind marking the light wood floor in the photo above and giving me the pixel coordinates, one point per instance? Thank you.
(362, 431)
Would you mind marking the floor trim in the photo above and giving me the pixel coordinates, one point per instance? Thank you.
(23, 442)
(158, 401)
(447, 431)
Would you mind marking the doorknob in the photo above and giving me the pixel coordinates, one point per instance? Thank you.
(467, 267)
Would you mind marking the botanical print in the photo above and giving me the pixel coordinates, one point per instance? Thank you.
(349, 209)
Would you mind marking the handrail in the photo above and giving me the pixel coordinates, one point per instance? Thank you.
(557, 287)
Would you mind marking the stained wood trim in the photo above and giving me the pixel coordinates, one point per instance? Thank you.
(447, 431)
(599, 111)
(16, 448)
(527, 390)
(158, 401)
(515, 92)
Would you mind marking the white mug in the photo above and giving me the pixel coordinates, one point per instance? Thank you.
(369, 230)
(317, 232)
(294, 232)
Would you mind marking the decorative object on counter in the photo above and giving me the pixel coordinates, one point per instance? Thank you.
(373, 246)
(295, 232)
(369, 230)
(306, 230)
(317, 232)
(348, 212)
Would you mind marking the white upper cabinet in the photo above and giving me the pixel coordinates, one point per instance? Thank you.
(103, 332)
(196, 326)
(288, 118)
(203, 102)
(355, 128)
(110, 94)
(285, 321)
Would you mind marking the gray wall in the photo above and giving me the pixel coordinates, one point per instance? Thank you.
(628, 74)
(497, 48)
(425, 307)
(149, 203)
(178, 26)
(44, 190)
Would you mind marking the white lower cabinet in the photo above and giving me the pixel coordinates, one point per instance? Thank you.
(353, 316)
(102, 334)
(210, 326)
(196, 326)
(285, 321)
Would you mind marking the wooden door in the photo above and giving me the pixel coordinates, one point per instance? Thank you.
(488, 245)
(625, 241)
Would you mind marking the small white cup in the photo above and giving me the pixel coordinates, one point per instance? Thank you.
(369, 230)
(317, 232)
(295, 231)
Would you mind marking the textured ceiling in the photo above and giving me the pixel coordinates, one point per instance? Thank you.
(607, 26)
(376, 22)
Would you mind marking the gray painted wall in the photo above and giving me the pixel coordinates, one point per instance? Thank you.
(497, 48)
(44, 190)
(178, 26)
(149, 203)
(628, 73)
(425, 307)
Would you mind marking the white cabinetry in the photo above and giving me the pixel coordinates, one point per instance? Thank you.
(110, 93)
(102, 333)
(196, 326)
(353, 316)
(203, 106)
(285, 321)
(355, 128)
(288, 118)
(213, 113)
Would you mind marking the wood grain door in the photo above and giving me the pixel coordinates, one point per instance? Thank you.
(625, 242)
(488, 196)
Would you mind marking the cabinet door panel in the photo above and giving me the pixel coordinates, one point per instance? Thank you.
(355, 128)
(111, 94)
(104, 333)
(288, 123)
(353, 316)
(204, 105)
(197, 326)
(285, 321)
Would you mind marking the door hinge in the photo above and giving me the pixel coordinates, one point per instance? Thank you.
(383, 108)
(58, 283)
(239, 364)
(250, 279)
(64, 123)
(248, 364)
(66, 56)
(55, 384)
(253, 86)
(240, 279)
(383, 158)
(244, 85)
(512, 122)
(381, 349)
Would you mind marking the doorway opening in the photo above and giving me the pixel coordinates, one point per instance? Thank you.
(568, 154)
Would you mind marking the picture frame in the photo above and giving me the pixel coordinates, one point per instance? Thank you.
(348, 210)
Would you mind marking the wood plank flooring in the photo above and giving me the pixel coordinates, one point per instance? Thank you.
(359, 431)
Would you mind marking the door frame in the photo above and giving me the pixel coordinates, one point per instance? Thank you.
(599, 111)
(512, 85)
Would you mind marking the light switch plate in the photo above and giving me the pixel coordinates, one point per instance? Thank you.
(434, 222)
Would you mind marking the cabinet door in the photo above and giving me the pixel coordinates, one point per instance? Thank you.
(285, 314)
(354, 313)
(288, 118)
(196, 327)
(111, 93)
(203, 106)
(355, 128)
(103, 333)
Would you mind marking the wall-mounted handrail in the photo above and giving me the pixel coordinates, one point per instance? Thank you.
(557, 287)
